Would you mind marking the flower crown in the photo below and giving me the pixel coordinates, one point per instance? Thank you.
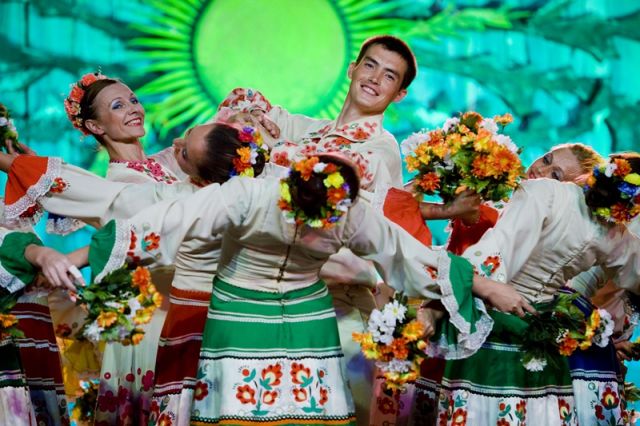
(338, 194)
(627, 206)
(72, 102)
(247, 155)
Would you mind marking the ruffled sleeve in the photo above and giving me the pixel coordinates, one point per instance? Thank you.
(15, 271)
(39, 183)
(462, 236)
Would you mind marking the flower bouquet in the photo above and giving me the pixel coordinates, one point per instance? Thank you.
(8, 321)
(559, 328)
(466, 153)
(8, 129)
(394, 341)
(118, 305)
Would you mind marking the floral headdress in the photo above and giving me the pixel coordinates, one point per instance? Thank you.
(627, 205)
(338, 194)
(7, 128)
(466, 153)
(248, 154)
(72, 102)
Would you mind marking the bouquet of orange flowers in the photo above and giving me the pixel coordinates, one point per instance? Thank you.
(559, 328)
(394, 341)
(8, 321)
(466, 153)
(118, 305)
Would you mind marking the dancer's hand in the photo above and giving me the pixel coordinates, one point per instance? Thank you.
(271, 127)
(11, 146)
(465, 206)
(55, 266)
(428, 317)
(501, 296)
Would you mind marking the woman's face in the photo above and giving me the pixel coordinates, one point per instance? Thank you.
(120, 116)
(559, 164)
(190, 149)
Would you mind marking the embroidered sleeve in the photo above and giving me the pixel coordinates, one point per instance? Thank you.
(154, 235)
(15, 271)
(78, 194)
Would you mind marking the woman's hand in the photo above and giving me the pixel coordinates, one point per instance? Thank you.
(501, 296)
(15, 148)
(428, 317)
(465, 206)
(55, 266)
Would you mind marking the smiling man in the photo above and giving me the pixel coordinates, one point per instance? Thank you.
(380, 75)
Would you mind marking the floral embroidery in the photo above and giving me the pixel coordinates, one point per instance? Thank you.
(300, 394)
(269, 397)
(246, 394)
(609, 399)
(341, 141)
(490, 264)
(564, 410)
(359, 134)
(386, 405)
(281, 159)
(165, 420)
(201, 390)
(150, 168)
(107, 402)
(433, 272)
(58, 186)
(459, 417)
(304, 393)
(521, 410)
(300, 374)
(151, 242)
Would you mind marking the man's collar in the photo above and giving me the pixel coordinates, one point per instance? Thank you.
(356, 131)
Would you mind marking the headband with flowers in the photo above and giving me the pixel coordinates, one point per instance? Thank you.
(72, 102)
(247, 155)
(627, 205)
(338, 194)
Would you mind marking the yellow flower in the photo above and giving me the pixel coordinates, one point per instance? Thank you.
(334, 180)
(137, 338)
(316, 223)
(503, 119)
(157, 299)
(285, 194)
(142, 316)
(248, 172)
(632, 178)
(412, 163)
(603, 211)
(413, 330)
(7, 320)
(107, 319)
(369, 347)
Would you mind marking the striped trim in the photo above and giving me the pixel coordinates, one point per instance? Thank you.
(229, 297)
(593, 375)
(269, 319)
(503, 347)
(506, 391)
(251, 353)
(118, 255)
(178, 340)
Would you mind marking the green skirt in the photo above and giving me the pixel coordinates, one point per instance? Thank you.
(271, 359)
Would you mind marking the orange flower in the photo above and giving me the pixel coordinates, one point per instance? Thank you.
(324, 396)
(503, 119)
(107, 319)
(239, 165)
(335, 195)
(620, 212)
(137, 338)
(567, 346)
(429, 182)
(299, 373)
(244, 154)
(399, 348)
(305, 167)
(76, 94)
(623, 167)
(359, 134)
(269, 397)
(300, 394)
(141, 277)
(272, 374)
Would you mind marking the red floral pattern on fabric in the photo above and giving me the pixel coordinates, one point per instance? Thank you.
(58, 186)
(151, 168)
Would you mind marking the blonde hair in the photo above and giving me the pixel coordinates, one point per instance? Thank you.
(586, 156)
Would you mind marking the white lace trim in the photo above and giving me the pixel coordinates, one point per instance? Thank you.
(63, 226)
(7, 279)
(119, 250)
(32, 195)
(467, 343)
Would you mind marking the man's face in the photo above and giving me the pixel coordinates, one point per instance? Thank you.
(376, 80)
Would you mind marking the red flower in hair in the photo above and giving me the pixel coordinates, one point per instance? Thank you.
(88, 79)
(76, 93)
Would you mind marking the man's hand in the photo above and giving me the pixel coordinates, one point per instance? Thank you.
(261, 118)
(465, 206)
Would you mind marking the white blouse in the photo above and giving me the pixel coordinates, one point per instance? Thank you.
(545, 236)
